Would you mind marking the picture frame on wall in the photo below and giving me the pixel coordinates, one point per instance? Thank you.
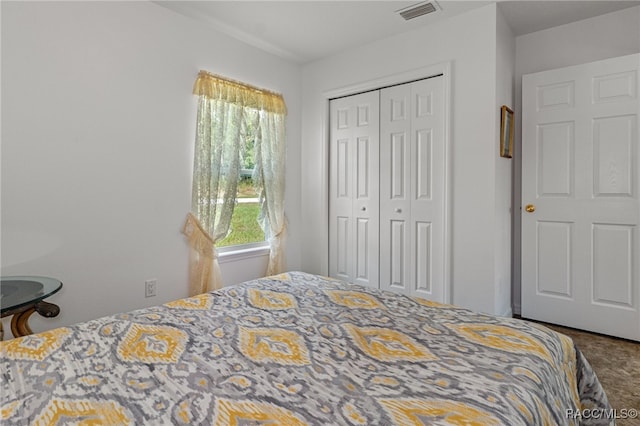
(506, 132)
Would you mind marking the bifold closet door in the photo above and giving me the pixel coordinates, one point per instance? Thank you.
(412, 189)
(353, 188)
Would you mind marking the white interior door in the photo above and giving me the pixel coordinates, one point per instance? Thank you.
(412, 189)
(581, 244)
(353, 188)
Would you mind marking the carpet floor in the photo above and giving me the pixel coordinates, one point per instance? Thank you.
(617, 365)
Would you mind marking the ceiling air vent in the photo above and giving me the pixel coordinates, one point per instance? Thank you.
(416, 10)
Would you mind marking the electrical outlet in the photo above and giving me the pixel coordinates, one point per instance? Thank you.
(150, 287)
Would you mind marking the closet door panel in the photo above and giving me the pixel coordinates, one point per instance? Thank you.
(363, 250)
(423, 164)
(342, 247)
(399, 147)
(395, 188)
(354, 188)
(342, 170)
(397, 255)
(428, 190)
(366, 188)
(412, 191)
(340, 190)
(423, 254)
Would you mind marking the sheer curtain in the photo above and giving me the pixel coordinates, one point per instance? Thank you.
(269, 179)
(226, 109)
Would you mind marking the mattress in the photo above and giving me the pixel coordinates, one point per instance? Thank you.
(297, 349)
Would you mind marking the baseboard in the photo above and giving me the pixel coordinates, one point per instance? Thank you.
(508, 313)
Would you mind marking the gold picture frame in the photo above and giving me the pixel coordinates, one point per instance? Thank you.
(507, 125)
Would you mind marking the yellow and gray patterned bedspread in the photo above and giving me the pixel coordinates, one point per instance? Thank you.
(296, 349)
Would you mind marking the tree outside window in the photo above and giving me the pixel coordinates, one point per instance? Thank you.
(245, 228)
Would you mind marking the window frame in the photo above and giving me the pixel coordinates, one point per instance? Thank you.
(243, 251)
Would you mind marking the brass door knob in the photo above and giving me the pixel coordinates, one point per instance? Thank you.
(530, 208)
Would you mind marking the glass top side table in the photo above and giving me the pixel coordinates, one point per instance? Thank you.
(21, 296)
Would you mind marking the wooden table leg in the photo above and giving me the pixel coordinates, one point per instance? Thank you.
(20, 321)
(19, 325)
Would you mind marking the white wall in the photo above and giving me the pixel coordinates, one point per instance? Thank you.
(469, 41)
(98, 124)
(602, 37)
(505, 95)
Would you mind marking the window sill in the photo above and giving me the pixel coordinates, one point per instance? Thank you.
(240, 253)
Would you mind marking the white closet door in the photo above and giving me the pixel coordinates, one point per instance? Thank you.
(353, 188)
(580, 182)
(412, 189)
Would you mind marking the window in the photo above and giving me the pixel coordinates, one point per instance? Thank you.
(239, 128)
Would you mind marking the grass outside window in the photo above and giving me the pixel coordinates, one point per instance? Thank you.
(244, 222)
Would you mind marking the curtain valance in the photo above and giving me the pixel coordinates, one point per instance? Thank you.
(216, 87)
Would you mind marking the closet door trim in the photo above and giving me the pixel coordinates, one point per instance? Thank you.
(444, 69)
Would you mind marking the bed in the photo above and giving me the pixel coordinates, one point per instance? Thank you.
(297, 349)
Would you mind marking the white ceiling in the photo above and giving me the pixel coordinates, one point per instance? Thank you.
(526, 16)
(303, 30)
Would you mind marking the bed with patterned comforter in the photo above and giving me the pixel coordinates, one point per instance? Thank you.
(296, 349)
